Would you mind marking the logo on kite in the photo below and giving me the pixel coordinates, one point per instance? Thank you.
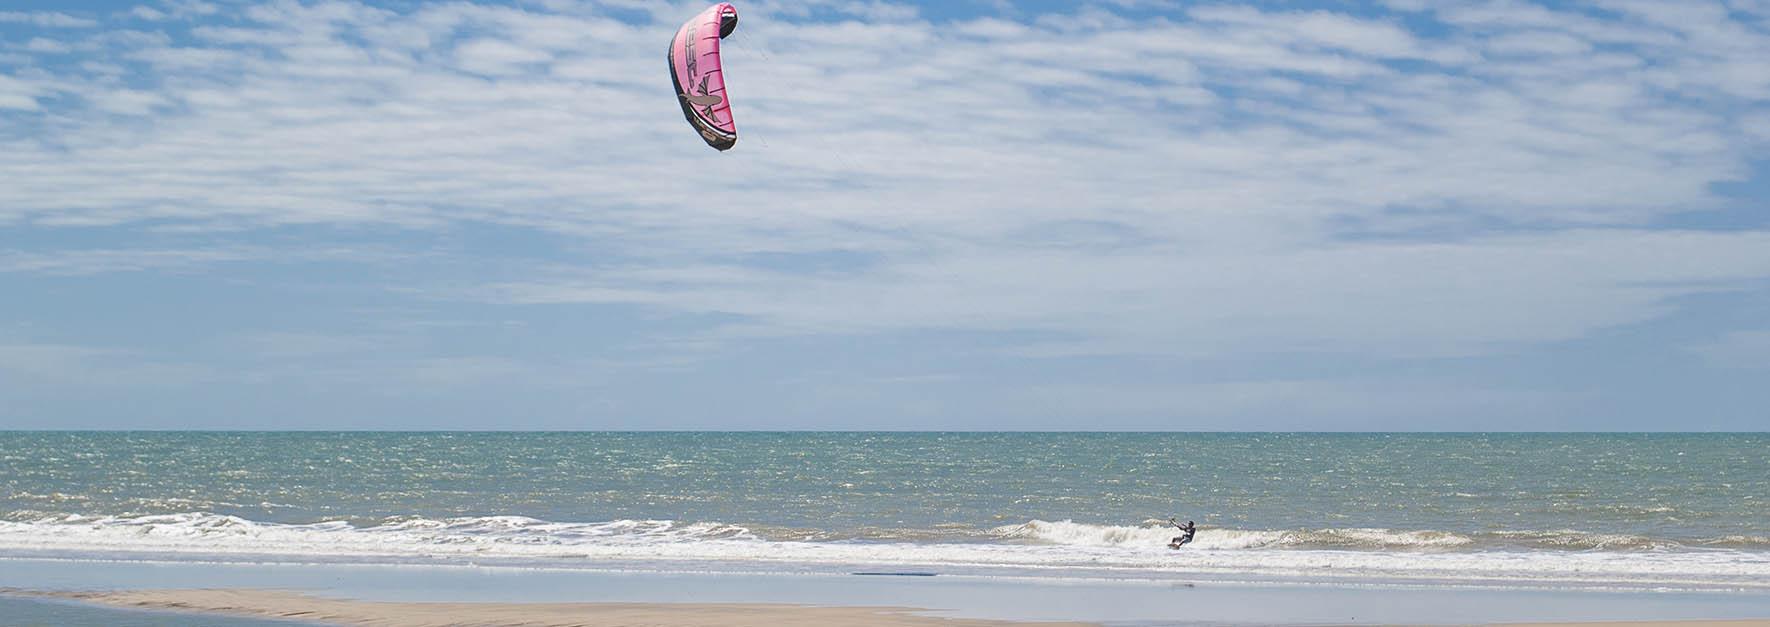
(694, 62)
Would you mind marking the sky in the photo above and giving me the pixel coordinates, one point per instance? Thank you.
(1447, 215)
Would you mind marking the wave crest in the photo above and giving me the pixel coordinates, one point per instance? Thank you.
(220, 532)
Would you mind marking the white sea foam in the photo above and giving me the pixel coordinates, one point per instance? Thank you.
(1147, 535)
(1040, 548)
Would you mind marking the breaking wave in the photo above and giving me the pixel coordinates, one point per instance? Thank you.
(1082, 534)
(1157, 533)
(514, 535)
(1033, 548)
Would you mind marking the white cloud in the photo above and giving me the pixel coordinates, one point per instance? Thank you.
(1394, 299)
(497, 57)
(1322, 29)
(148, 13)
(46, 46)
(313, 103)
(1251, 180)
(175, 9)
(1758, 126)
(83, 262)
(46, 19)
(125, 101)
(1538, 43)
(18, 94)
(86, 262)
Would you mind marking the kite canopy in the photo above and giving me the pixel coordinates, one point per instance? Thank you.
(700, 81)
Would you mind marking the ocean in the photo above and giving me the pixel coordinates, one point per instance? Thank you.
(1575, 511)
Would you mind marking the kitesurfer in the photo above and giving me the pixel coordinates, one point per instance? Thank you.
(1186, 532)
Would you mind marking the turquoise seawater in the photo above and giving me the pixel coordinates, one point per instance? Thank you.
(1599, 509)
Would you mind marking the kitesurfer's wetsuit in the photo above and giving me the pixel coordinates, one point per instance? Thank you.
(1181, 541)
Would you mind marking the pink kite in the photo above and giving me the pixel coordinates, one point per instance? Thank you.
(700, 82)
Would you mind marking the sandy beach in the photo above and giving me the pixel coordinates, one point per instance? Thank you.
(296, 606)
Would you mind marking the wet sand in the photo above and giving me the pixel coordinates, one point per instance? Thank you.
(1657, 623)
(296, 606)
